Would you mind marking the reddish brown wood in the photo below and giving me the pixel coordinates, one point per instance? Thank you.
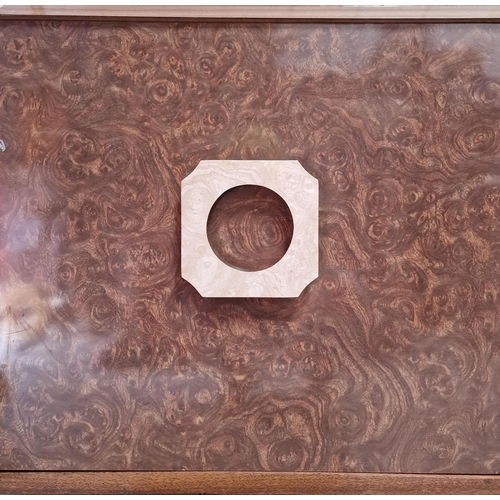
(387, 362)
(243, 483)
(250, 227)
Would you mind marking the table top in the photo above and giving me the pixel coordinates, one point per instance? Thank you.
(387, 362)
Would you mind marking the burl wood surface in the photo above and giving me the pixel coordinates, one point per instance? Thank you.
(388, 362)
(250, 227)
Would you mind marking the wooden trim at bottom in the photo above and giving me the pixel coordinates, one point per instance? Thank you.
(243, 483)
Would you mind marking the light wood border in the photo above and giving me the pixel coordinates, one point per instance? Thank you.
(243, 483)
(256, 13)
(249, 482)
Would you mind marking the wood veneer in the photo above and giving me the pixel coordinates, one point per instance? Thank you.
(250, 227)
(307, 483)
(387, 363)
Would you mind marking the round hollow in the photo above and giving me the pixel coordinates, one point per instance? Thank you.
(250, 227)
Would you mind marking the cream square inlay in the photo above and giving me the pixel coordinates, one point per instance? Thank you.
(214, 278)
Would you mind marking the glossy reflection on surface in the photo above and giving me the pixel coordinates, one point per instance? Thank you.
(388, 362)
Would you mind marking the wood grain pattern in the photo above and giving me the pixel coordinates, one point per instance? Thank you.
(250, 227)
(387, 363)
(244, 483)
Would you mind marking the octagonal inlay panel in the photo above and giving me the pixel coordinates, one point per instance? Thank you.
(214, 278)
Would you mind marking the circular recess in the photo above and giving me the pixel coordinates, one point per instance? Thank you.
(250, 227)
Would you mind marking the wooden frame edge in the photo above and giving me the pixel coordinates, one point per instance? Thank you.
(243, 483)
(255, 13)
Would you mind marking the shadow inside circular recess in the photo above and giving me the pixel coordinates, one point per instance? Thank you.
(250, 227)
